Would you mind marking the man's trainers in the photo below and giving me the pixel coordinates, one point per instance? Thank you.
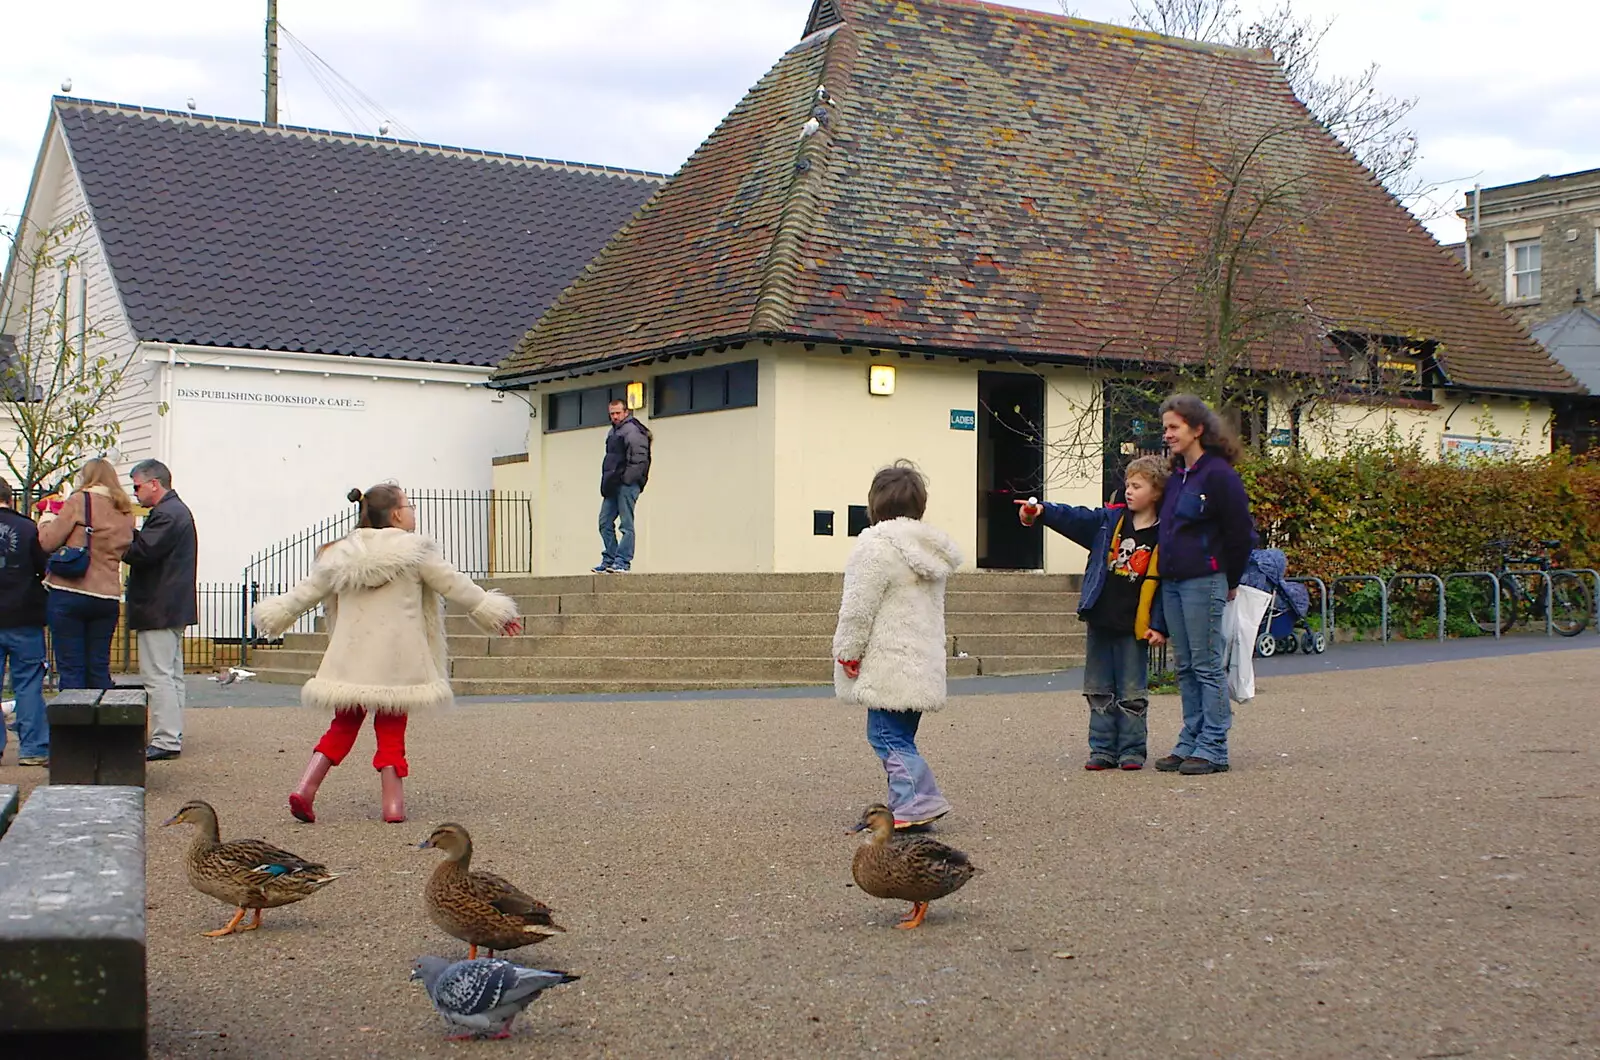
(1130, 764)
(601, 569)
(34, 760)
(1097, 764)
(912, 826)
(159, 754)
(1196, 767)
(1169, 764)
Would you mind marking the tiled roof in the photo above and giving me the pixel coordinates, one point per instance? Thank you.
(1573, 339)
(996, 182)
(227, 233)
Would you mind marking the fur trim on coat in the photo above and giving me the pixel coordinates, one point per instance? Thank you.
(891, 616)
(383, 592)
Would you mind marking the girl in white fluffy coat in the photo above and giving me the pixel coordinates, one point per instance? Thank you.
(889, 644)
(382, 589)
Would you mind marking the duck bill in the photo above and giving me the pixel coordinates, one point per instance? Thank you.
(425, 844)
(171, 820)
(860, 827)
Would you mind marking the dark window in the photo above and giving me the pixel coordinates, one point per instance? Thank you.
(858, 520)
(1384, 364)
(572, 409)
(822, 523)
(727, 386)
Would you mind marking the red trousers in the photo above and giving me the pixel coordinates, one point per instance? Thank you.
(389, 728)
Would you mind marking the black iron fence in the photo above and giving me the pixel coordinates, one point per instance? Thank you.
(483, 533)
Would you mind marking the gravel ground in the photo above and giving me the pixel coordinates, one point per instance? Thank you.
(1402, 864)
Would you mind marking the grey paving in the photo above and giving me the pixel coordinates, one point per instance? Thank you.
(1379, 876)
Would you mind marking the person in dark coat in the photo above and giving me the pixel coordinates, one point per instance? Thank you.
(623, 475)
(22, 600)
(161, 600)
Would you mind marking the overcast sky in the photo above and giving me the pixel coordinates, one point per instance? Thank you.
(639, 83)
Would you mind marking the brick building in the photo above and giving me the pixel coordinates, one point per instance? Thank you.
(1536, 244)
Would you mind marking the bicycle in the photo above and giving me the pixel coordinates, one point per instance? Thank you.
(1524, 592)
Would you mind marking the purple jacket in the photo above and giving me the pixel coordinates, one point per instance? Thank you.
(1205, 522)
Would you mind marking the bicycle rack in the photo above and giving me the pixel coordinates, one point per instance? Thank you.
(1594, 597)
(1438, 583)
(1493, 581)
(1322, 602)
(1383, 600)
(1549, 601)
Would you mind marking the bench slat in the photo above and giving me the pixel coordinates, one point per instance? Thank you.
(72, 923)
(8, 806)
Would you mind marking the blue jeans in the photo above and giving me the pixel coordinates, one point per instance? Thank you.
(22, 649)
(612, 511)
(1194, 609)
(80, 635)
(913, 793)
(1116, 683)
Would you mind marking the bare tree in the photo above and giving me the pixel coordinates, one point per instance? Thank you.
(59, 384)
(1371, 123)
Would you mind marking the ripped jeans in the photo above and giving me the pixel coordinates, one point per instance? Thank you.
(1116, 684)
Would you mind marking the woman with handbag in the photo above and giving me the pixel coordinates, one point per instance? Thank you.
(85, 542)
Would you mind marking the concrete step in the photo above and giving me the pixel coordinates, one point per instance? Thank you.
(965, 581)
(984, 645)
(1001, 665)
(774, 624)
(665, 668)
(790, 603)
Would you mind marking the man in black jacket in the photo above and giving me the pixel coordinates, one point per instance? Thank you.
(22, 596)
(161, 601)
(622, 477)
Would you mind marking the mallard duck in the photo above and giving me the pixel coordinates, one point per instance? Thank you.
(480, 908)
(911, 868)
(249, 874)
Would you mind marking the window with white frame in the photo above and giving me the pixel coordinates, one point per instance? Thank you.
(1522, 270)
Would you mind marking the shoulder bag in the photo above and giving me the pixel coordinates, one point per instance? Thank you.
(72, 561)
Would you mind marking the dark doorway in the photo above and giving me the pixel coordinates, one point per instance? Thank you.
(1010, 468)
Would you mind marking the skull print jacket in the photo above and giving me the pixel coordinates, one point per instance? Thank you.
(1095, 529)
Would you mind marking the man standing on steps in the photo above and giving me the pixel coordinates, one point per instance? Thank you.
(161, 601)
(623, 474)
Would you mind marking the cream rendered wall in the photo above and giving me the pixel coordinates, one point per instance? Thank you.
(255, 472)
(1514, 422)
(708, 505)
(1075, 426)
(832, 436)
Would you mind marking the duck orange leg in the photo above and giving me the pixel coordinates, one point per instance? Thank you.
(227, 929)
(253, 923)
(919, 913)
(472, 951)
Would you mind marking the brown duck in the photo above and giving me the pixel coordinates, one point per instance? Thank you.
(480, 908)
(911, 868)
(248, 874)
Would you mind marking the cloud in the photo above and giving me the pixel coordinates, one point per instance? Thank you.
(640, 83)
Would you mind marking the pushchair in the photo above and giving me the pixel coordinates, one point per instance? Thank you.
(1285, 628)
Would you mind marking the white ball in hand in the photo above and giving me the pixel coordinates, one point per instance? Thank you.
(1033, 502)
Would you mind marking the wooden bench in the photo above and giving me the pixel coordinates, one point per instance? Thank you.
(72, 925)
(8, 806)
(98, 737)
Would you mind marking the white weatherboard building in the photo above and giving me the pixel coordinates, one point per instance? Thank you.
(302, 311)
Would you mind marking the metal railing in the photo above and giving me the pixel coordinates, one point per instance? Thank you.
(482, 533)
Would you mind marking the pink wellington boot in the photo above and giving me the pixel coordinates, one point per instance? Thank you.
(301, 798)
(394, 795)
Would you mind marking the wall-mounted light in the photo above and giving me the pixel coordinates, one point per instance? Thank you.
(880, 379)
(635, 396)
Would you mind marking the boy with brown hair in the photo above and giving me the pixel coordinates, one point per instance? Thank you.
(1121, 606)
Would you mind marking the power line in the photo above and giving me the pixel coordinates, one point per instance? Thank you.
(358, 108)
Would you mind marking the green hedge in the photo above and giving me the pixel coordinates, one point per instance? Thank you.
(1382, 510)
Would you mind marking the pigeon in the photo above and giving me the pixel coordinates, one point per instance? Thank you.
(481, 997)
(235, 673)
(811, 126)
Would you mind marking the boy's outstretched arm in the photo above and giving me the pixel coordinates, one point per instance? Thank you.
(1072, 521)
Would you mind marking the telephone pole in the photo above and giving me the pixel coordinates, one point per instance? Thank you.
(272, 63)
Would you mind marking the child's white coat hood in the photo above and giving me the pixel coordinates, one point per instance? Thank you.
(928, 551)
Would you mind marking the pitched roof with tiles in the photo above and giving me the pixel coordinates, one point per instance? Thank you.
(228, 233)
(996, 182)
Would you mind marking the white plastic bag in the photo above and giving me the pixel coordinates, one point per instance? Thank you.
(1241, 622)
